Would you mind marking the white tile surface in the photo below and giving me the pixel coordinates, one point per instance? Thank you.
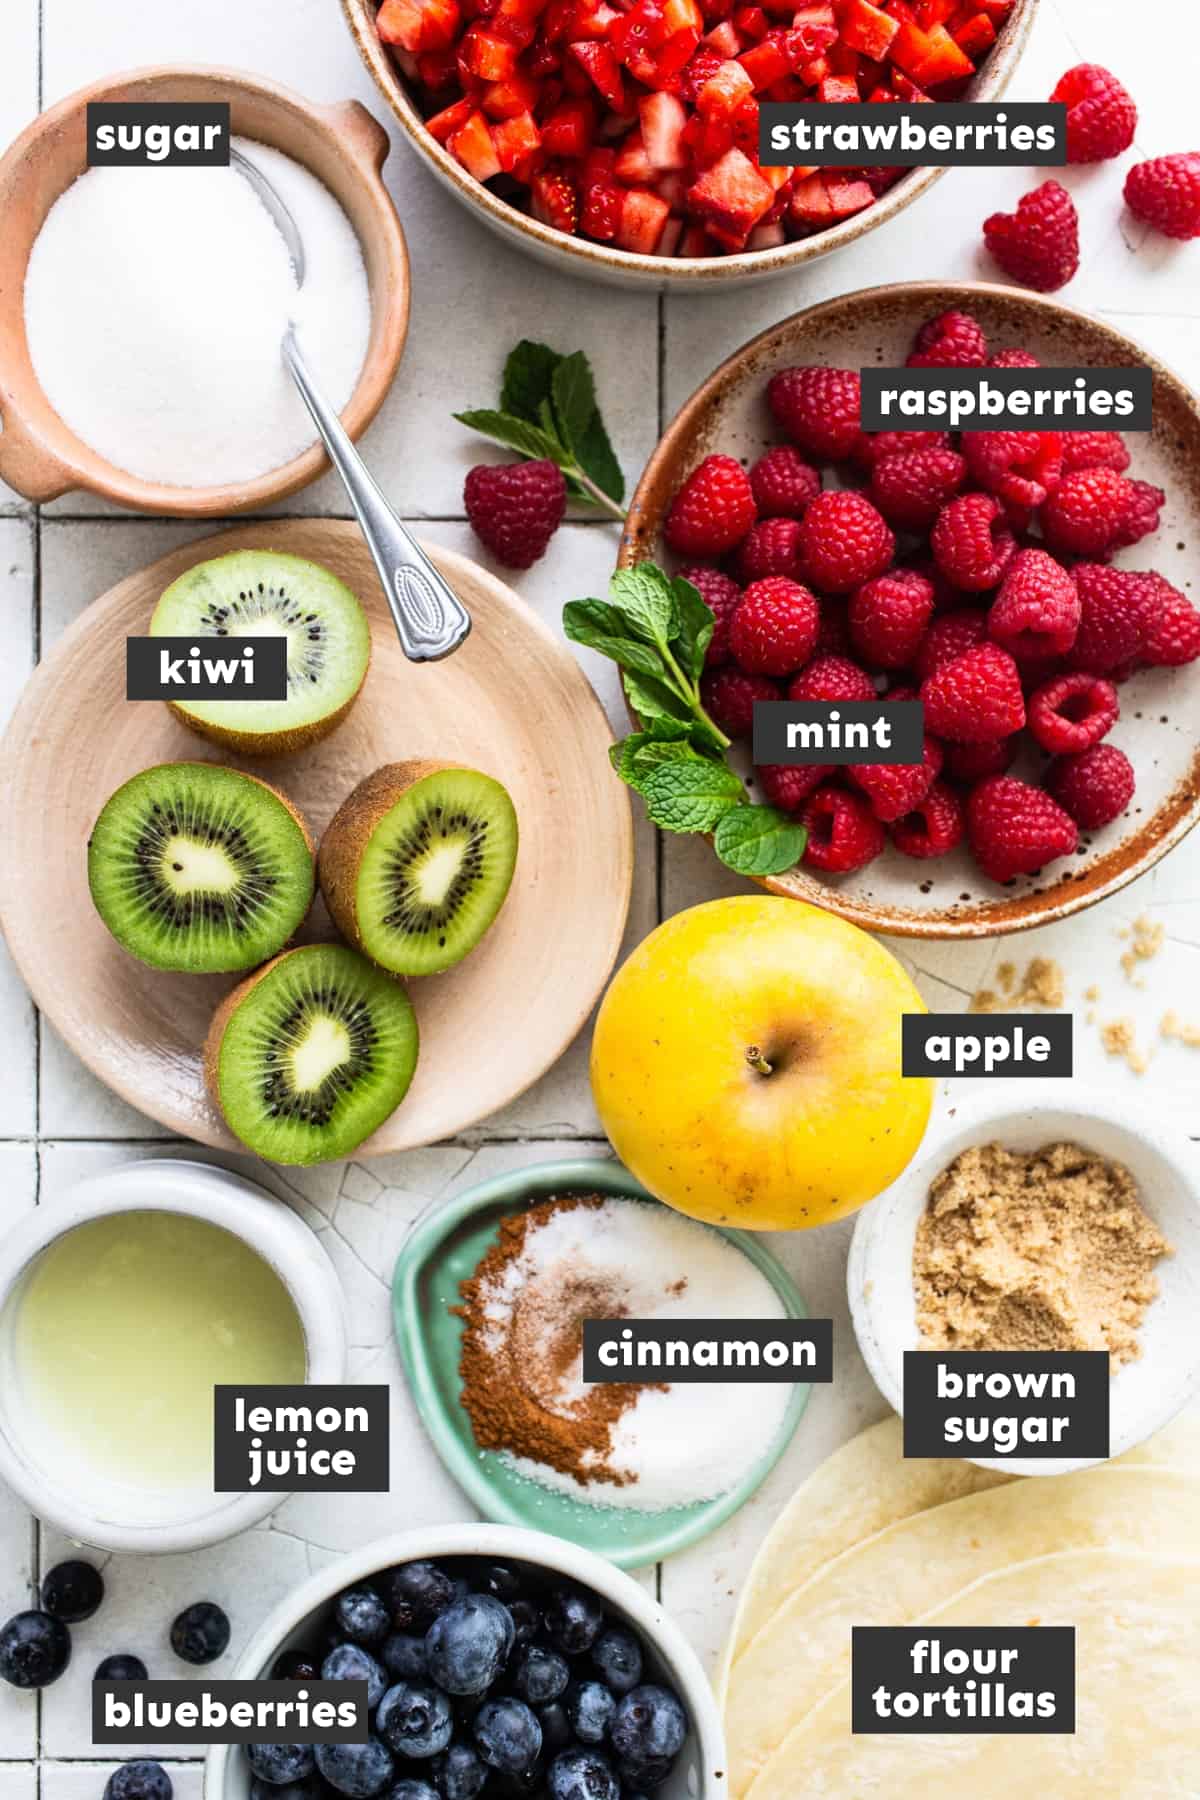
(18, 1533)
(18, 1093)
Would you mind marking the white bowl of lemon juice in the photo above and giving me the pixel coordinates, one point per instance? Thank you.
(122, 1305)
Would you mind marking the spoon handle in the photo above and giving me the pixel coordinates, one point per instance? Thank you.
(430, 618)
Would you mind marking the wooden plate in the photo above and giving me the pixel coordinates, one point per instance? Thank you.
(512, 702)
(1157, 728)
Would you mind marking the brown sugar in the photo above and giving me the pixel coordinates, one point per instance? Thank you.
(1041, 984)
(1172, 1026)
(1119, 1038)
(1146, 938)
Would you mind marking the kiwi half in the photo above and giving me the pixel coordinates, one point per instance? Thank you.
(310, 1055)
(200, 869)
(266, 593)
(416, 864)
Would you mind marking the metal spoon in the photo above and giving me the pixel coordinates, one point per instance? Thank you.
(430, 618)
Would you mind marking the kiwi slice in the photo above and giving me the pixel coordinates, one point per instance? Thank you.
(265, 593)
(417, 862)
(308, 1056)
(200, 869)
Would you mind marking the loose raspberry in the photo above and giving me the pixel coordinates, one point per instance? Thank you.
(1112, 611)
(783, 483)
(1172, 625)
(774, 630)
(1019, 467)
(951, 341)
(950, 636)
(844, 541)
(894, 789)
(874, 446)
(1015, 829)
(1013, 359)
(720, 593)
(975, 698)
(911, 488)
(972, 762)
(934, 827)
(1165, 192)
(772, 547)
(713, 510)
(1073, 712)
(1036, 612)
(788, 785)
(972, 542)
(1093, 450)
(888, 618)
(843, 832)
(1038, 245)
(1095, 787)
(1101, 116)
(818, 409)
(1096, 511)
(515, 508)
(729, 695)
(831, 678)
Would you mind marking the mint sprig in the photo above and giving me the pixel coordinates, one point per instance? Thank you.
(657, 630)
(548, 409)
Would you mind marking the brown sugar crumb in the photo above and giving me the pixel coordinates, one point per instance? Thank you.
(1120, 1039)
(1172, 1026)
(1091, 993)
(1006, 977)
(1049, 1250)
(1042, 984)
(1145, 941)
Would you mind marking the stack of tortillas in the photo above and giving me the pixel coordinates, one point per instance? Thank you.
(871, 1539)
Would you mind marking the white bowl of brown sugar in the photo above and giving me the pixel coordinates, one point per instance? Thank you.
(1048, 1217)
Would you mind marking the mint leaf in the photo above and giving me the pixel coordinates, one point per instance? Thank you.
(691, 795)
(652, 700)
(528, 375)
(601, 627)
(758, 840)
(514, 433)
(650, 756)
(696, 627)
(646, 597)
(573, 392)
(597, 459)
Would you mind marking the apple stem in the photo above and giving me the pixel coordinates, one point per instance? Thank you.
(757, 1060)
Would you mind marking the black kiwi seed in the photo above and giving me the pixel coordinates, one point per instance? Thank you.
(315, 1106)
(407, 912)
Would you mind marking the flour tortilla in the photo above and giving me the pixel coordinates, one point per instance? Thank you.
(920, 1563)
(1137, 1624)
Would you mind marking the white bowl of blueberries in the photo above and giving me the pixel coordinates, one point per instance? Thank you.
(499, 1663)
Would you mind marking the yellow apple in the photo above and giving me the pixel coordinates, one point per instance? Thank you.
(746, 1065)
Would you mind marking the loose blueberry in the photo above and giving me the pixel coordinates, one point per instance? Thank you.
(458, 1773)
(573, 1619)
(34, 1649)
(590, 1708)
(139, 1781)
(412, 1790)
(507, 1735)
(540, 1674)
(618, 1656)
(404, 1657)
(467, 1646)
(527, 1620)
(414, 1720)
(350, 1662)
(361, 1617)
(582, 1775)
(415, 1594)
(357, 1770)
(503, 1582)
(121, 1668)
(72, 1591)
(281, 1764)
(311, 1788)
(295, 1665)
(649, 1725)
(200, 1633)
(556, 1727)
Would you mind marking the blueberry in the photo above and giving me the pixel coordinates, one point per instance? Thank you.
(467, 1646)
(646, 1773)
(458, 1773)
(527, 1620)
(540, 1674)
(295, 1665)
(200, 1632)
(582, 1775)
(72, 1591)
(412, 1790)
(502, 1582)
(139, 1781)
(311, 1788)
(556, 1727)
(415, 1593)
(404, 1657)
(590, 1708)
(280, 1764)
(573, 1619)
(618, 1656)
(649, 1726)
(414, 1720)
(357, 1770)
(121, 1668)
(34, 1649)
(361, 1617)
(350, 1662)
(507, 1735)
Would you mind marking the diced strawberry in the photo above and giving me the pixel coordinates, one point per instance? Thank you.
(603, 70)
(668, 243)
(767, 237)
(516, 141)
(934, 12)
(437, 70)
(975, 36)
(868, 28)
(810, 204)
(732, 196)
(724, 92)
(601, 197)
(486, 56)
(643, 215)
(847, 197)
(838, 90)
(553, 200)
(472, 145)
(910, 47)
(633, 166)
(568, 130)
(417, 25)
(681, 15)
(766, 63)
(694, 242)
(942, 62)
(451, 119)
(751, 23)
(671, 186)
(723, 38)
(813, 73)
(520, 93)
(906, 89)
(663, 118)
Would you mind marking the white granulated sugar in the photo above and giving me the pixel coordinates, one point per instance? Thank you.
(155, 304)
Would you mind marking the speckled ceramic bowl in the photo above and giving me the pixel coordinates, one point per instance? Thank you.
(1157, 729)
(623, 268)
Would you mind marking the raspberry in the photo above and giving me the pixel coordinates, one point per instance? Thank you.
(843, 832)
(1073, 712)
(1165, 192)
(1112, 608)
(831, 678)
(950, 636)
(1094, 787)
(833, 638)
(818, 409)
(783, 483)
(951, 341)
(1019, 467)
(1096, 511)
(972, 542)
(515, 508)
(934, 827)
(1036, 612)
(1038, 245)
(720, 593)
(874, 446)
(971, 762)
(772, 547)
(774, 630)
(729, 695)
(1171, 625)
(713, 510)
(1015, 829)
(1013, 359)
(976, 697)
(896, 788)
(788, 785)
(889, 617)
(911, 488)
(844, 541)
(1093, 450)
(1101, 116)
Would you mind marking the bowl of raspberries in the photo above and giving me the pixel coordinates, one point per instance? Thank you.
(619, 138)
(498, 1662)
(1031, 588)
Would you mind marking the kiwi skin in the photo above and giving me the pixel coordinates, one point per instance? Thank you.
(349, 831)
(270, 743)
(221, 1018)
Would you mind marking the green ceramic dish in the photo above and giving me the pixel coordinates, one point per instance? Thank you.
(444, 1249)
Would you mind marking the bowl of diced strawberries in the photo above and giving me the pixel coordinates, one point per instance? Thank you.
(620, 137)
(1035, 590)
